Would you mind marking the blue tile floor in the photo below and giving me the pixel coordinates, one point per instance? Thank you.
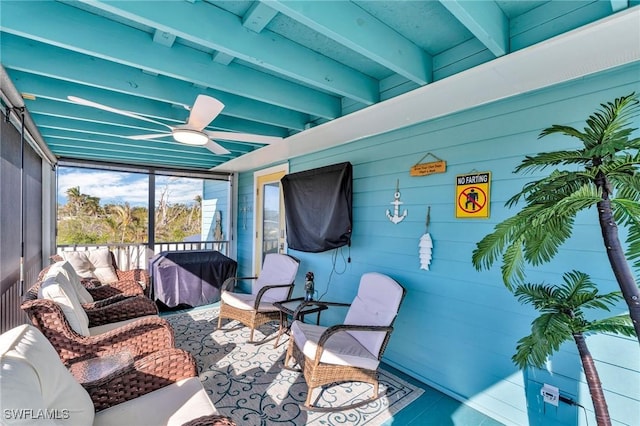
(434, 408)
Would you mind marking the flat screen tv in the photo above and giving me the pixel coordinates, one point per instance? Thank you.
(318, 208)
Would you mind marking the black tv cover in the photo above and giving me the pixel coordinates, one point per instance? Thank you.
(318, 208)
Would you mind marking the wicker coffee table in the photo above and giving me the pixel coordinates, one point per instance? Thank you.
(288, 308)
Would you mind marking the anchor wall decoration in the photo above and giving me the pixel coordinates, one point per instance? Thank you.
(396, 218)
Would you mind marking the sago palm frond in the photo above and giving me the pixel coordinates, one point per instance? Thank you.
(582, 198)
(633, 143)
(552, 188)
(626, 185)
(620, 324)
(565, 130)
(513, 264)
(543, 160)
(612, 118)
(538, 295)
(533, 235)
(540, 230)
(490, 248)
(532, 350)
(623, 161)
(633, 242)
(542, 241)
(554, 326)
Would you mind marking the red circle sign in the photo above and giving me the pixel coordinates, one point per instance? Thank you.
(472, 199)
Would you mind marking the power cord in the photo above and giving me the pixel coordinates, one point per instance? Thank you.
(334, 258)
(570, 401)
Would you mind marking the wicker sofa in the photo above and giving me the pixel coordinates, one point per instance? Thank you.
(119, 307)
(98, 267)
(59, 315)
(162, 388)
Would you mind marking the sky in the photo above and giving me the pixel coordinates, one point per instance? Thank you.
(118, 187)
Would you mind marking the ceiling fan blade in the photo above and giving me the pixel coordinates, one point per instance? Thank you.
(92, 104)
(216, 148)
(151, 136)
(204, 110)
(243, 137)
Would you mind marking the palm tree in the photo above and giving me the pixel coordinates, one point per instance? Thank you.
(74, 200)
(124, 219)
(562, 319)
(603, 173)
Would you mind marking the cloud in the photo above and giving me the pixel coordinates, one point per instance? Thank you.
(119, 187)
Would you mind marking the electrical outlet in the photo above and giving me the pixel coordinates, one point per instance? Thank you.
(550, 394)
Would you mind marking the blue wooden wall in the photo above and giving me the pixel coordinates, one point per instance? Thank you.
(458, 327)
(215, 193)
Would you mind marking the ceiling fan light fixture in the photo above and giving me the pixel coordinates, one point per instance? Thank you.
(190, 137)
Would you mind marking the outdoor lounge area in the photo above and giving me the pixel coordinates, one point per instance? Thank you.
(311, 212)
(94, 358)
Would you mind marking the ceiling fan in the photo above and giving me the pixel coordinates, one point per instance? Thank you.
(204, 110)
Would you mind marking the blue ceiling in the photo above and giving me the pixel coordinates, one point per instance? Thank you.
(280, 67)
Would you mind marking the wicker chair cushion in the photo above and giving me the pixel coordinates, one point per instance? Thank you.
(341, 348)
(67, 269)
(246, 301)
(57, 287)
(276, 269)
(376, 303)
(80, 262)
(103, 264)
(172, 405)
(100, 329)
(33, 378)
(96, 264)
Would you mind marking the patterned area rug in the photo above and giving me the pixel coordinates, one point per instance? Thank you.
(248, 383)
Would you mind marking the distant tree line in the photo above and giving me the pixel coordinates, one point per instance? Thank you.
(82, 220)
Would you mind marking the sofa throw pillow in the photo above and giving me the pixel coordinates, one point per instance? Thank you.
(103, 265)
(67, 269)
(80, 262)
(56, 287)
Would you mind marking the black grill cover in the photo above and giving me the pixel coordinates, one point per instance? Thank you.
(318, 208)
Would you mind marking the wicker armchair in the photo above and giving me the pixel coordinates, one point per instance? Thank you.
(60, 317)
(350, 351)
(274, 284)
(111, 309)
(160, 389)
(109, 379)
(133, 280)
(140, 336)
(212, 420)
(121, 288)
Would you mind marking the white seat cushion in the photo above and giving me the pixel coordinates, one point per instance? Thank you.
(341, 348)
(276, 269)
(376, 303)
(100, 329)
(103, 265)
(95, 264)
(172, 405)
(246, 301)
(67, 269)
(56, 287)
(35, 381)
(80, 262)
